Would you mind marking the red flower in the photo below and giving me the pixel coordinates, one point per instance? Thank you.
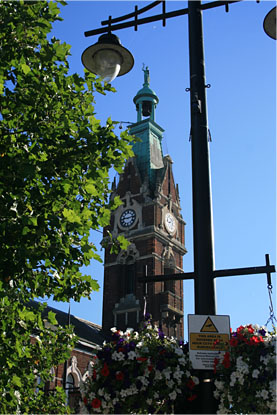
(105, 370)
(192, 397)
(234, 342)
(94, 374)
(119, 376)
(150, 368)
(250, 329)
(226, 360)
(256, 340)
(141, 359)
(121, 349)
(85, 401)
(190, 384)
(96, 403)
(216, 361)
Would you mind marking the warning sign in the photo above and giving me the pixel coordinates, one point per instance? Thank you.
(209, 326)
(208, 338)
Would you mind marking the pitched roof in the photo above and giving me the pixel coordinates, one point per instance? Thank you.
(90, 334)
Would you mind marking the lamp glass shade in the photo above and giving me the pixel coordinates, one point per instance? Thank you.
(107, 64)
(108, 58)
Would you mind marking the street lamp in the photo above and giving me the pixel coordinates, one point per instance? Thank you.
(108, 58)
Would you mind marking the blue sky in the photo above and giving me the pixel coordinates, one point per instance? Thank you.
(241, 68)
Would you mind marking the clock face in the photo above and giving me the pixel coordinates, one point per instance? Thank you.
(127, 218)
(170, 223)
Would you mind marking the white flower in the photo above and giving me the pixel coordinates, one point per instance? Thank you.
(262, 394)
(118, 356)
(222, 409)
(179, 351)
(158, 375)
(17, 395)
(107, 397)
(123, 393)
(178, 373)
(242, 366)
(149, 401)
(265, 359)
(114, 329)
(170, 383)
(173, 395)
(166, 372)
(219, 385)
(56, 275)
(255, 373)
(195, 380)
(182, 361)
(216, 394)
(143, 380)
(230, 398)
(132, 355)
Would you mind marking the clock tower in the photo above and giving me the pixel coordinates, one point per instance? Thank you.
(150, 218)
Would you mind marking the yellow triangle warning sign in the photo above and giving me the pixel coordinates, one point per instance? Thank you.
(209, 326)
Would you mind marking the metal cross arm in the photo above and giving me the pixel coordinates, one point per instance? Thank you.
(111, 26)
(266, 269)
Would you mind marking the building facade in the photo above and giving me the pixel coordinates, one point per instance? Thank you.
(150, 219)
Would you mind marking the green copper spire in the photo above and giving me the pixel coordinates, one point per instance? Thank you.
(148, 151)
(146, 100)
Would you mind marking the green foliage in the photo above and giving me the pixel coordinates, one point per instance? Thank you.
(29, 349)
(54, 188)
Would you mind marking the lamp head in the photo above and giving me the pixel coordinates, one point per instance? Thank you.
(270, 23)
(108, 58)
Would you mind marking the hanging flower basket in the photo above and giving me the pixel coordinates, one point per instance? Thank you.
(246, 377)
(145, 372)
(141, 372)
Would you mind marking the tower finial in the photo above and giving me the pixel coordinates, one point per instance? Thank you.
(146, 75)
